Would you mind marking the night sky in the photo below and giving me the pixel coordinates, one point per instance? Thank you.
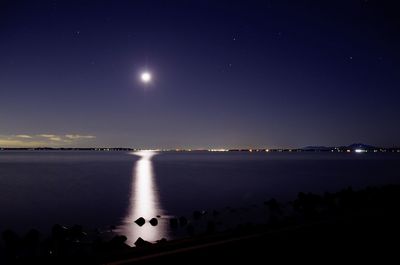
(225, 74)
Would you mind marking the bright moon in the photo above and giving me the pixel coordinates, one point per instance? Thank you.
(146, 77)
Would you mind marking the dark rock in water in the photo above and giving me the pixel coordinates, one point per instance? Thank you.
(244, 209)
(210, 227)
(154, 221)
(76, 232)
(118, 239)
(196, 215)
(190, 229)
(140, 242)
(12, 243)
(140, 221)
(97, 231)
(183, 221)
(158, 216)
(162, 241)
(273, 205)
(59, 231)
(32, 237)
(10, 237)
(118, 243)
(173, 222)
(240, 227)
(30, 244)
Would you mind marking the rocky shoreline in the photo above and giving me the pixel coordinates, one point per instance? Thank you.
(346, 210)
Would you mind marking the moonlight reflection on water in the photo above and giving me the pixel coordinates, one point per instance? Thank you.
(144, 202)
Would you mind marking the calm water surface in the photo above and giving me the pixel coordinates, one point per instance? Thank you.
(98, 189)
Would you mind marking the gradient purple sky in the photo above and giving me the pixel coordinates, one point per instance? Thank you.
(227, 74)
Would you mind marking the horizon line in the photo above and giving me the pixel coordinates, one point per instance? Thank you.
(305, 148)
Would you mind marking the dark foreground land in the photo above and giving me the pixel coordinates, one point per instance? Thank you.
(345, 226)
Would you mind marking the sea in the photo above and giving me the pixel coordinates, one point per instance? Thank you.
(110, 190)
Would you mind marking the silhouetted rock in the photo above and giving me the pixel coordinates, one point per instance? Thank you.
(310, 205)
(154, 221)
(273, 205)
(59, 232)
(140, 221)
(31, 243)
(173, 222)
(183, 221)
(190, 229)
(374, 208)
(162, 241)
(32, 237)
(12, 242)
(9, 235)
(76, 232)
(140, 242)
(196, 215)
(118, 243)
(210, 227)
(215, 213)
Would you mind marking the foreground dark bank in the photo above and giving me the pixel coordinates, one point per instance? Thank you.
(357, 225)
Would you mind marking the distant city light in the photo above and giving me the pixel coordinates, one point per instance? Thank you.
(218, 150)
(360, 151)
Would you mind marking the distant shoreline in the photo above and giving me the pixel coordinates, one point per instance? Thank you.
(342, 149)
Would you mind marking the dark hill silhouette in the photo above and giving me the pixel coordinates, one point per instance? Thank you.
(361, 146)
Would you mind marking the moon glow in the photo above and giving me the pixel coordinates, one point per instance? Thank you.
(145, 77)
